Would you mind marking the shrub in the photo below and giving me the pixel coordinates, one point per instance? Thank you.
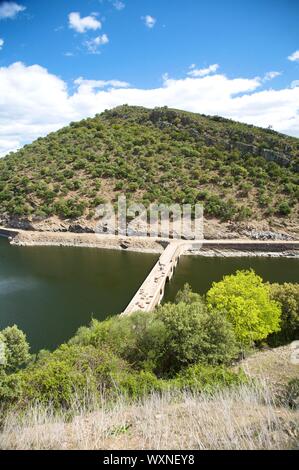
(137, 338)
(56, 383)
(205, 378)
(245, 300)
(166, 340)
(187, 296)
(16, 348)
(70, 371)
(287, 295)
(193, 335)
(292, 393)
(284, 208)
(138, 384)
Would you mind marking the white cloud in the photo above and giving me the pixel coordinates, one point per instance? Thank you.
(34, 102)
(294, 57)
(88, 85)
(118, 5)
(10, 10)
(270, 75)
(1, 43)
(149, 21)
(81, 25)
(93, 45)
(194, 72)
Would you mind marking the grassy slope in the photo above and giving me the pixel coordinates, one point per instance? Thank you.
(154, 155)
(240, 418)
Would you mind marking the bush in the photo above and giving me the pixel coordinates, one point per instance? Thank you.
(165, 341)
(138, 384)
(16, 348)
(245, 300)
(70, 371)
(193, 335)
(56, 383)
(292, 393)
(205, 378)
(287, 295)
(187, 296)
(284, 208)
(138, 338)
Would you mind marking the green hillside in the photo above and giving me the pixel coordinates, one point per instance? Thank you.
(239, 172)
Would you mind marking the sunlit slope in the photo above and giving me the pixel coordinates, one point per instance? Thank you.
(239, 172)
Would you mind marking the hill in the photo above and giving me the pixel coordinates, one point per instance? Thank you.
(244, 175)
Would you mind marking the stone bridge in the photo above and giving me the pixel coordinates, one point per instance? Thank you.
(152, 290)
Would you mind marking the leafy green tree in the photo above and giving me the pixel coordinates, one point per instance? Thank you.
(193, 335)
(287, 295)
(16, 348)
(245, 300)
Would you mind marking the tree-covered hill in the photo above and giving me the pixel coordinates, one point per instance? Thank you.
(239, 172)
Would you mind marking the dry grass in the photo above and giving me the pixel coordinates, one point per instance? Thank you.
(273, 366)
(243, 418)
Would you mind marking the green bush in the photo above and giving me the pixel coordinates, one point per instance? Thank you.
(193, 335)
(16, 349)
(138, 384)
(206, 378)
(292, 393)
(287, 295)
(166, 340)
(284, 208)
(70, 372)
(138, 338)
(186, 295)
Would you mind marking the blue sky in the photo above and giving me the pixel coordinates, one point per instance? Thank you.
(230, 57)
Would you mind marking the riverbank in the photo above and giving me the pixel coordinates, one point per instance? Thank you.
(206, 248)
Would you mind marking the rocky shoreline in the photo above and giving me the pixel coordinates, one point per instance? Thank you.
(220, 248)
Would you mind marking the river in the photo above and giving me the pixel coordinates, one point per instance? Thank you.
(49, 292)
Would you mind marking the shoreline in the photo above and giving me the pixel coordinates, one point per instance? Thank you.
(210, 248)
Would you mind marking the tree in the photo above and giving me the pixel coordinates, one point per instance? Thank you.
(287, 295)
(187, 296)
(16, 348)
(246, 302)
(192, 336)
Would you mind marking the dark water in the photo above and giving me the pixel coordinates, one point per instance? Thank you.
(200, 273)
(49, 292)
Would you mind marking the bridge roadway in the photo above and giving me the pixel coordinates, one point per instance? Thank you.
(151, 292)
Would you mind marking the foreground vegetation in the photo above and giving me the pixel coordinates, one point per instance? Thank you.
(237, 171)
(244, 417)
(189, 350)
